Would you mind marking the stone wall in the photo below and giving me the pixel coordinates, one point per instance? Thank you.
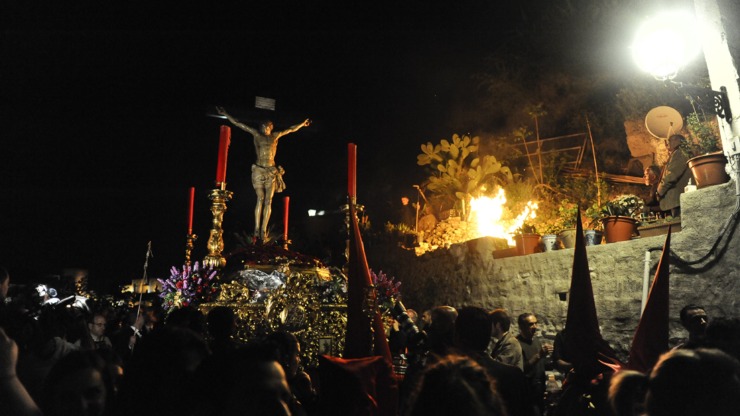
(468, 274)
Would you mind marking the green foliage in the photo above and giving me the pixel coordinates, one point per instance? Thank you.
(458, 172)
(568, 213)
(527, 228)
(704, 136)
(594, 215)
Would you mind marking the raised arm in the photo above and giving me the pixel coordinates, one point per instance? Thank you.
(236, 122)
(293, 129)
(15, 398)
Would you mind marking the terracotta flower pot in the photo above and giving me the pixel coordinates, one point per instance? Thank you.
(709, 169)
(618, 228)
(527, 243)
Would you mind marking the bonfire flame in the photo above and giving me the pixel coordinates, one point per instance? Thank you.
(487, 212)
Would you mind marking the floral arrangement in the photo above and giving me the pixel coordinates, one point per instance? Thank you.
(626, 205)
(333, 290)
(388, 291)
(188, 287)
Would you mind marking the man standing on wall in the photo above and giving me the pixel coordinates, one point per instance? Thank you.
(676, 175)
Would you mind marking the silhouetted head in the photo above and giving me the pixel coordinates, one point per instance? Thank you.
(683, 382)
(456, 385)
(473, 328)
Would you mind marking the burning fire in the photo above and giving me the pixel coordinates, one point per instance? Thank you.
(487, 212)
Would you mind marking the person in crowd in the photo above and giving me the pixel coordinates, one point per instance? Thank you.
(534, 354)
(473, 329)
(48, 344)
(651, 178)
(439, 340)
(561, 359)
(250, 380)
(724, 334)
(125, 339)
(398, 338)
(14, 398)
(425, 320)
(221, 322)
(301, 387)
(695, 320)
(504, 346)
(4, 284)
(456, 385)
(97, 326)
(441, 331)
(675, 177)
(4, 288)
(162, 372)
(682, 383)
(77, 385)
(188, 317)
(407, 213)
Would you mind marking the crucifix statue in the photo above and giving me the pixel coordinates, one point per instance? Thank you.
(267, 178)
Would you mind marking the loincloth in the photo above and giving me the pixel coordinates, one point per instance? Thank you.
(264, 176)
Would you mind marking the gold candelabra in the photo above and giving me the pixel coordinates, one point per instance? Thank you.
(189, 244)
(214, 259)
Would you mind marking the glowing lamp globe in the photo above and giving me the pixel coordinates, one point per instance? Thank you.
(666, 43)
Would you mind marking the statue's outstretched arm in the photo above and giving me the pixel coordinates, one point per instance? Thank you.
(236, 122)
(292, 129)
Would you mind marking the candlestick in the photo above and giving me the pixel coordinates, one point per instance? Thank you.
(215, 240)
(223, 152)
(286, 205)
(352, 172)
(191, 203)
(189, 244)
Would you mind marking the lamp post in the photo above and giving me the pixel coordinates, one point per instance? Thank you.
(664, 45)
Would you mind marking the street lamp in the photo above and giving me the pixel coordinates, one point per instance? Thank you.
(664, 44)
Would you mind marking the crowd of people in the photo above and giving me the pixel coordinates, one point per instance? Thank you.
(60, 358)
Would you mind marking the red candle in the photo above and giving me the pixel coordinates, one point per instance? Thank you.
(352, 170)
(190, 210)
(286, 204)
(223, 151)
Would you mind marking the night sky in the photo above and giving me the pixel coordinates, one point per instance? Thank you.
(105, 122)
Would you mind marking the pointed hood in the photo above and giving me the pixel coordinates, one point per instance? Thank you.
(365, 335)
(651, 336)
(583, 338)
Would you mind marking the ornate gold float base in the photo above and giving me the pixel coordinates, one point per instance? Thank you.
(296, 307)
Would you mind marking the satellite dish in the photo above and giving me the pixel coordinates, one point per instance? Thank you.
(663, 121)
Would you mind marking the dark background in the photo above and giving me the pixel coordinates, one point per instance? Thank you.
(106, 127)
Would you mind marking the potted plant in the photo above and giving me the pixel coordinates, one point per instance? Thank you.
(708, 167)
(527, 239)
(618, 217)
(549, 231)
(567, 213)
(595, 231)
